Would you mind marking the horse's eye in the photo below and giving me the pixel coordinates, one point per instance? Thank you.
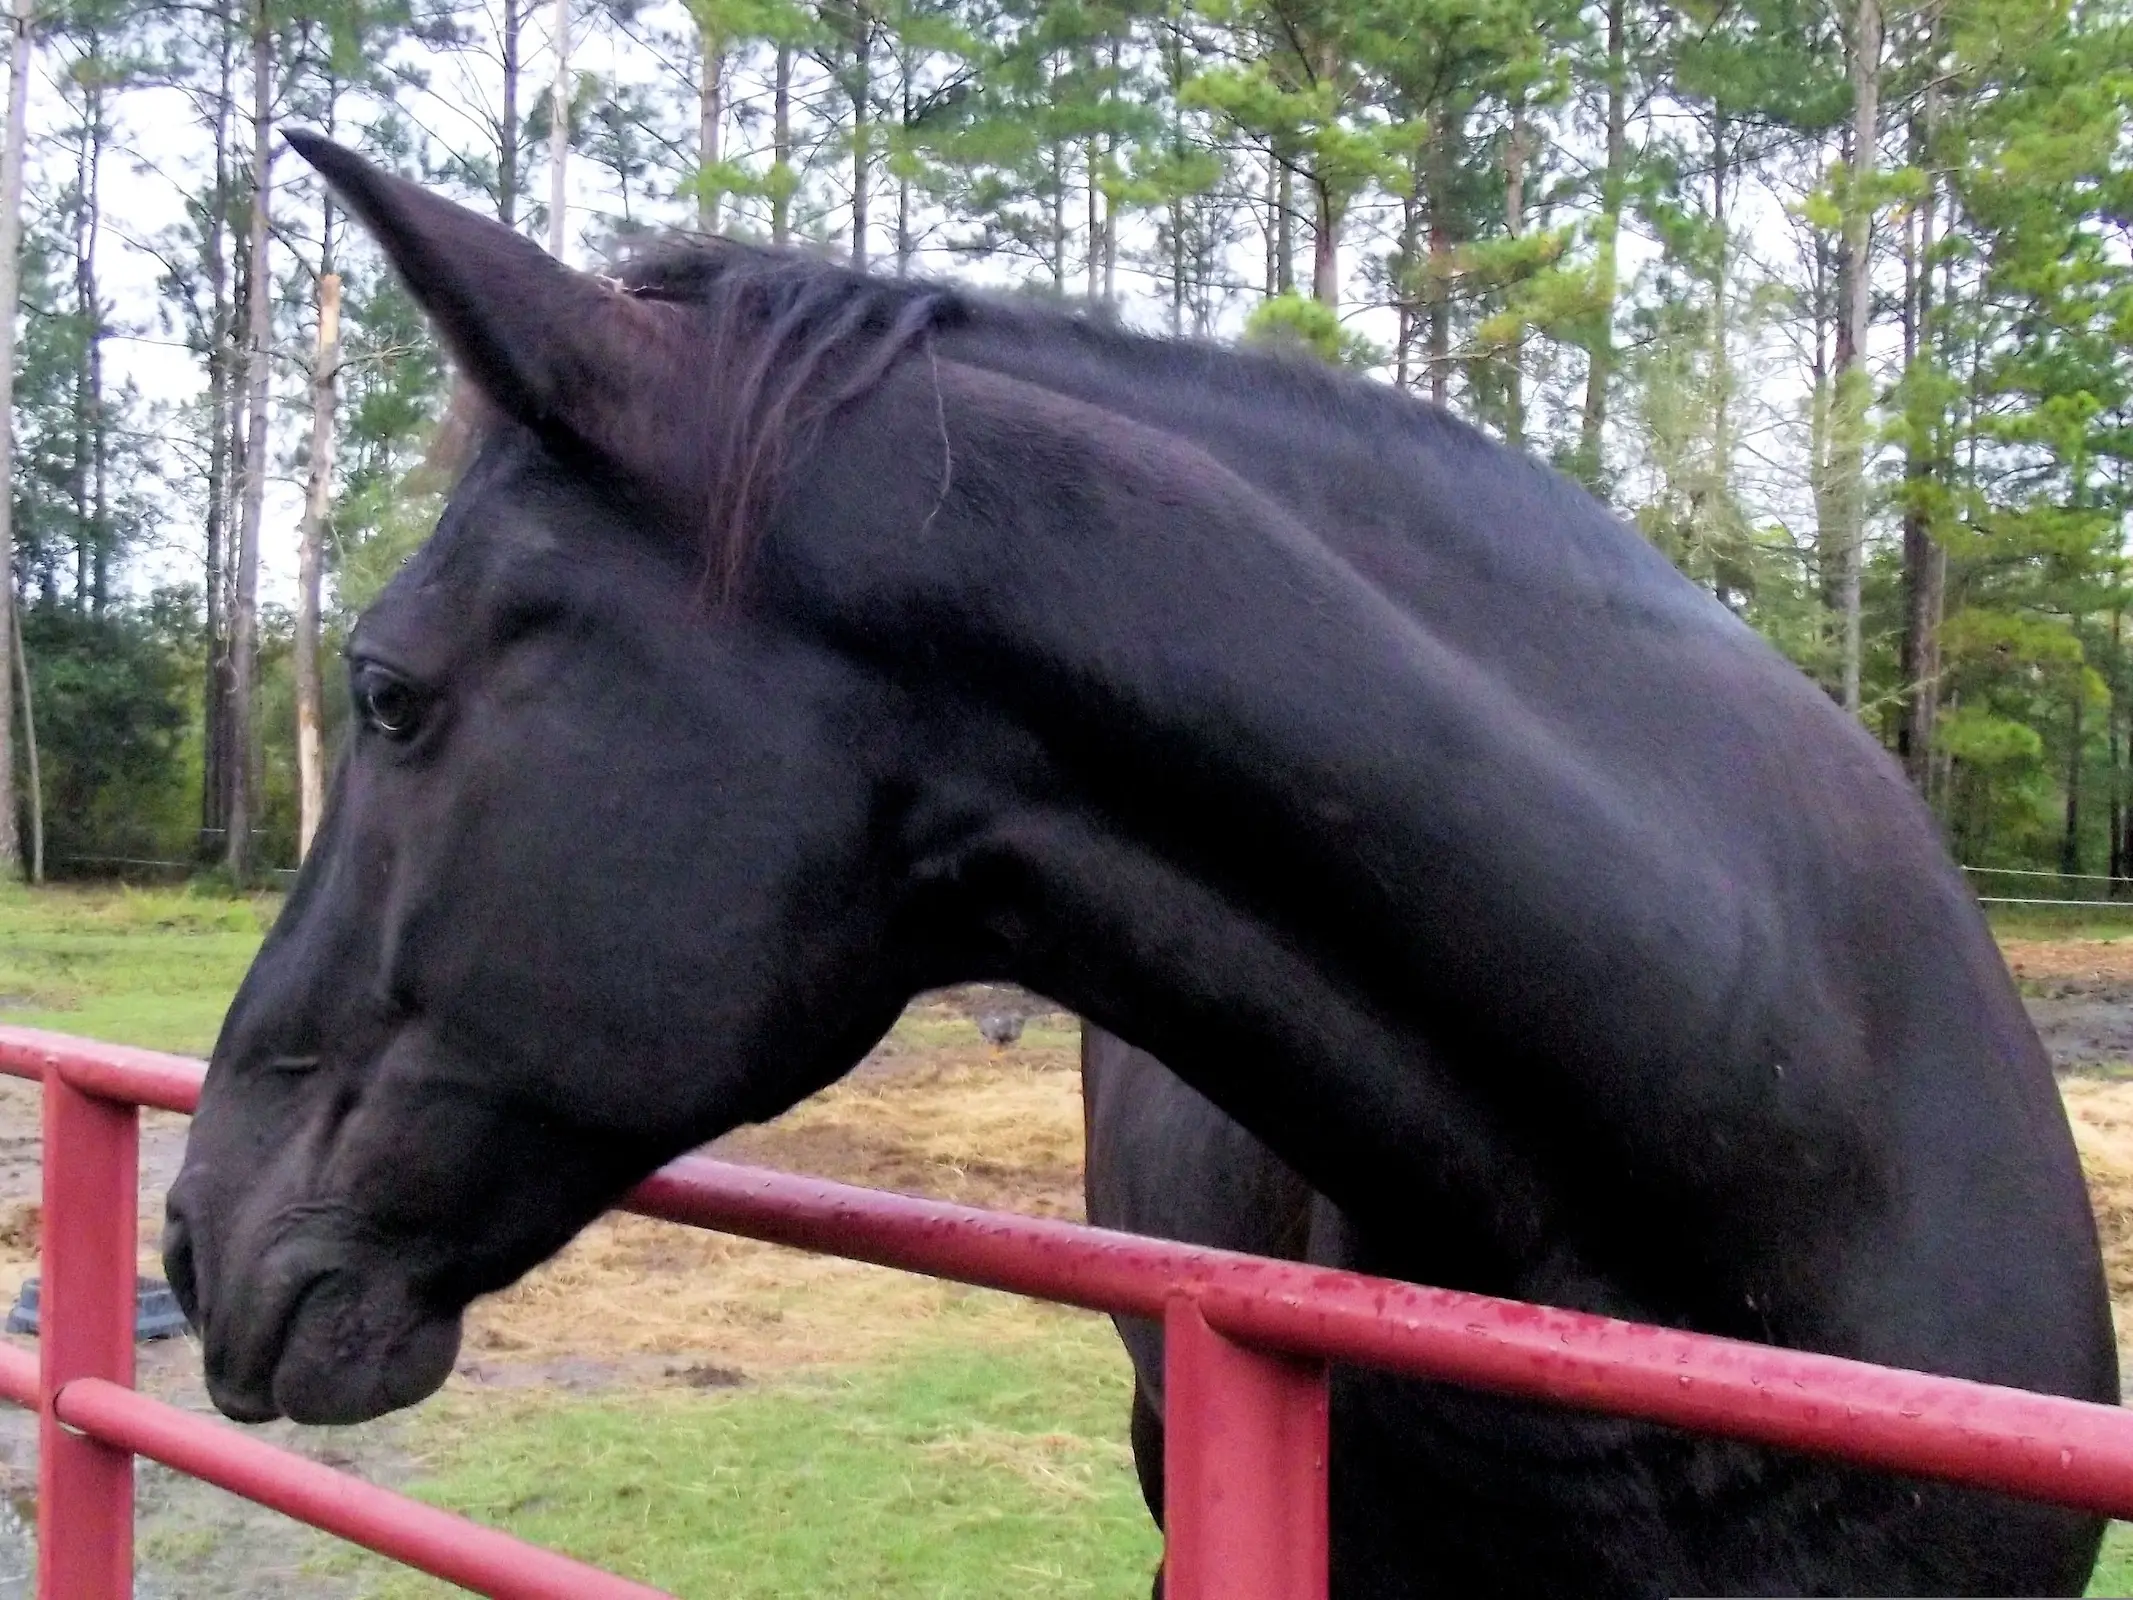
(390, 704)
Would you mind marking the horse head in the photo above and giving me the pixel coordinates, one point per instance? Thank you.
(611, 863)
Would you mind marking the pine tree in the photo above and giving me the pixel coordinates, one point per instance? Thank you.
(21, 43)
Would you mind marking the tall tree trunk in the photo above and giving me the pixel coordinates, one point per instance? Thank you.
(1821, 420)
(1405, 286)
(904, 249)
(1110, 217)
(99, 412)
(1922, 555)
(906, 245)
(1853, 385)
(1438, 281)
(310, 547)
(1721, 353)
(1271, 201)
(2123, 843)
(91, 560)
(1092, 268)
(1173, 62)
(559, 137)
(1059, 225)
(21, 20)
(244, 614)
(1516, 154)
(862, 95)
(1056, 200)
(78, 473)
(710, 124)
(221, 464)
(507, 127)
(1325, 245)
(2070, 841)
(2114, 722)
(1599, 368)
(29, 755)
(1284, 229)
(781, 149)
(1176, 206)
(1964, 427)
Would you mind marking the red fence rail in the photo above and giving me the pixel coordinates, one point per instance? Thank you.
(1249, 1339)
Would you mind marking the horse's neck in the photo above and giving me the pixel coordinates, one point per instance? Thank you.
(1197, 392)
(1302, 790)
(1453, 504)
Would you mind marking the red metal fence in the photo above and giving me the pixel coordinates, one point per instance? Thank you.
(1248, 1342)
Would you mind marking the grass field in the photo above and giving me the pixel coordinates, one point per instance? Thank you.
(2107, 922)
(956, 1471)
(2114, 1573)
(147, 967)
(891, 1437)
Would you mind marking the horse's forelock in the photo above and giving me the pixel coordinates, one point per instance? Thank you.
(784, 341)
(781, 341)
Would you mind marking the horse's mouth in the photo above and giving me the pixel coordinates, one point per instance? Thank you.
(243, 1389)
(341, 1346)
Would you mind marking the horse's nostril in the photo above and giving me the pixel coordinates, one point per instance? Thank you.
(178, 1265)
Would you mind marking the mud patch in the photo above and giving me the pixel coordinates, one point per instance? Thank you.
(2041, 964)
(2079, 995)
(2086, 1034)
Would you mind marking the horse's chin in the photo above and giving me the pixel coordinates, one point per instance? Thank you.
(353, 1348)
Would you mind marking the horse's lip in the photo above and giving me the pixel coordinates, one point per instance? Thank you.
(239, 1406)
(242, 1387)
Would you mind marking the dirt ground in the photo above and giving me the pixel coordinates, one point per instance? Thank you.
(2080, 995)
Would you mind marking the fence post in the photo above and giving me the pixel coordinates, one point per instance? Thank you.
(86, 1308)
(1244, 1467)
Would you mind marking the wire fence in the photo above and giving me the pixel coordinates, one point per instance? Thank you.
(143, 872)
(2087, 891)
(2083, 891)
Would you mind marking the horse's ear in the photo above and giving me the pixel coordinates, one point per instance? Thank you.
(559, 350)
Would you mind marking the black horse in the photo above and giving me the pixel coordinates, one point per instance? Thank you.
(796, 641)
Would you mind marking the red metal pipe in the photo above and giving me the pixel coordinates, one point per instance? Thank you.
(84, 1486)
(2038, 1446)
(114, 1071)
(436, 1542)
(2042, 1447)
(1244, 1468)
(18, 1377)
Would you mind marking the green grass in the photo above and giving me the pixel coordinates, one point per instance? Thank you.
(957, 1472)
(143, 967)
(2114, 1572)
(2098, 921)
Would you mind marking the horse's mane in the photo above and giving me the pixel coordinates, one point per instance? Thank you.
(789, 338)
